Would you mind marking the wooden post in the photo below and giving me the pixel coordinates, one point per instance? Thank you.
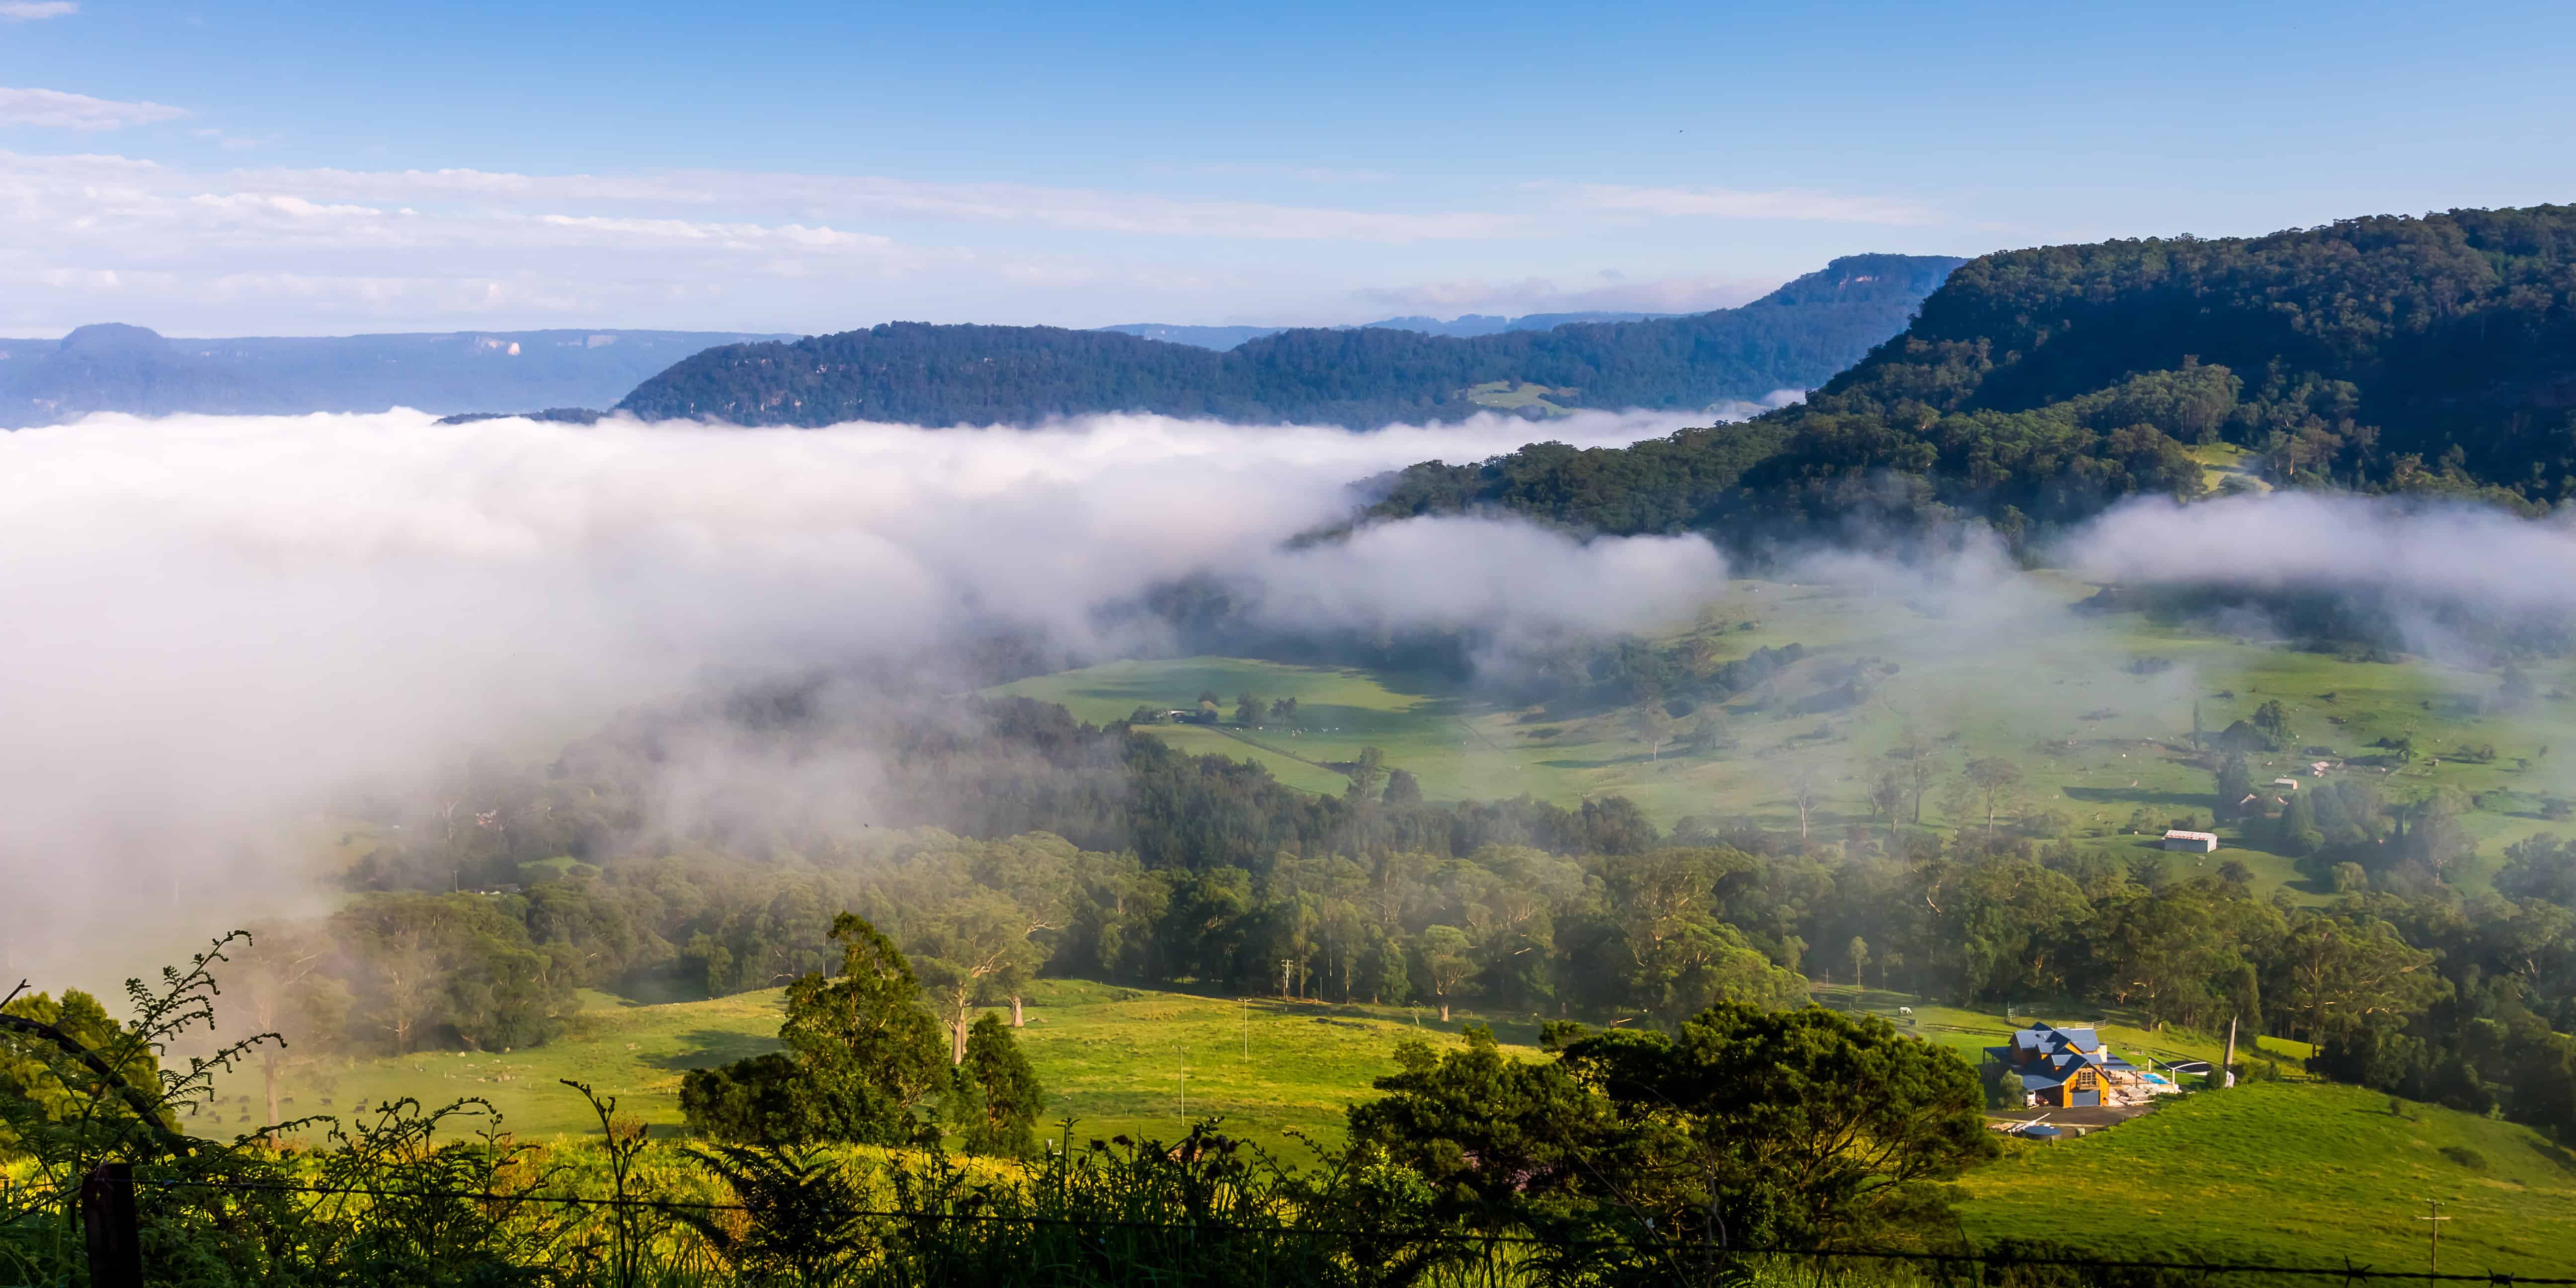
(107, 1222)
(2433, 1264)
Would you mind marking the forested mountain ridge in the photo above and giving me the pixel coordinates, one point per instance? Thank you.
(909, 372)
(1471, 324)
(2382, 353)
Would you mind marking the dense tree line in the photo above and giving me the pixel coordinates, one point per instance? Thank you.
(1738, 1127)
(2388, 353)
(910, 372)
(863, 1062)
(1114, 857)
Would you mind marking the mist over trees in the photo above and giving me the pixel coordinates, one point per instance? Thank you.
(1104, 854)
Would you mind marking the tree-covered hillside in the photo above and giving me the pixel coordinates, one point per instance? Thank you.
(938, 375)
(2385, 353)
(1470, 324)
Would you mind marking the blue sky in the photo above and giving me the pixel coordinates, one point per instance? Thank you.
(310, 168)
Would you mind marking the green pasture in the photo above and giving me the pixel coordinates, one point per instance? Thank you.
(1115, 1059)
(2293, 1173)
(2288, 1170)
(1510, 395)
(2222, 463)
(2096, 710)
(1969, 1031)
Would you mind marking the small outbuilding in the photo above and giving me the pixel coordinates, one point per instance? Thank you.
(2191, 842)
(2286, 784)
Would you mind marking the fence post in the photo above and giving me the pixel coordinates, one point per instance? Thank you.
(107, 1222)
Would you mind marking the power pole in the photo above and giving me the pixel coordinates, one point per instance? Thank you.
(2433, 1263)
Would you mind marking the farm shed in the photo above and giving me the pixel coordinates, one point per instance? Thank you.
(2193, 842)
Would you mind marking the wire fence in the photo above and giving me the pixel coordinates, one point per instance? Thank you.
(2347, 1271)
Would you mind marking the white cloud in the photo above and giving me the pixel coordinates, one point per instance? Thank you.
(783, 251)
(231, 142)
(759, 250)
(54, 109)
(2299, 540)
(234, 616)
(35, 10)
(876, 197)
(1730, 203)
(1607, 293)
(719, 233)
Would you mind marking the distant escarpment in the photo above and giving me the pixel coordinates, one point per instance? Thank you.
(112, 367)
(917, 373)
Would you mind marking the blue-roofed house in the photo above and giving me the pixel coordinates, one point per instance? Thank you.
(2066, 1068)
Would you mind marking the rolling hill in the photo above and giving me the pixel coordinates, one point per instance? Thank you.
(1472, 324)
(2432, 354)
(917, 373)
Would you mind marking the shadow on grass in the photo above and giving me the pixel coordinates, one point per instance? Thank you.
(2558, 1156)
(708, 1048)
(646, 988)
(1519, 1030)
(1638, 758)
(2125, 795)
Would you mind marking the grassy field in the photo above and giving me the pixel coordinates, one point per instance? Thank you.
(1508, 395)
(2293, 1173)
(2225, 463)
(1113, 1058)
(2289, 1170)
(1970, 1032)
(2096, 711)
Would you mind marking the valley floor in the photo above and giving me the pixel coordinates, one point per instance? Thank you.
(2096, 711)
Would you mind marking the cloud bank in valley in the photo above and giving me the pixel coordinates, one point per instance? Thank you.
(218, 621)
(2295, 540)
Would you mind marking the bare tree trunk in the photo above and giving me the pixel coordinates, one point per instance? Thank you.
(1444, 1010)
(1016, 1019)
(957, 1049)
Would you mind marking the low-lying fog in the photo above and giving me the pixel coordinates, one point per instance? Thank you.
(213, 623)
